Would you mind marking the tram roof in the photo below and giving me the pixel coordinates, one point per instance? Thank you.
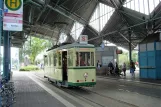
(74, 45)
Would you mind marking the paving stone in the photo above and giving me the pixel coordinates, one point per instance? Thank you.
(30, 94)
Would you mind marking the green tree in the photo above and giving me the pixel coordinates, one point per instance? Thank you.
(123, 58)
(32, 47)
(21, 55)
(134, 56)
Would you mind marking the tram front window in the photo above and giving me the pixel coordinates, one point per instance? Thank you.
(83, 59)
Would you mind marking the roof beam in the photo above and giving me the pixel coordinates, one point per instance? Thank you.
(64, 12)
(115, 31)
(126, 39)
(75, 4)
(121, 2)
(82, 6)
(106, 3)
(40, 14)
(68, 14)
(63, 2)
(131, 15)
(114, 4)
(158, 12)
(93, 11)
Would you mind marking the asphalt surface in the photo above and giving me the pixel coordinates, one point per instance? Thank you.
(108, 92)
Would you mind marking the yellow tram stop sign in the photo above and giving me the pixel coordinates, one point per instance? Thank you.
(13, 4)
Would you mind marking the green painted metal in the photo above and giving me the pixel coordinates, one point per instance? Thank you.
(74, 45)
(82, 84)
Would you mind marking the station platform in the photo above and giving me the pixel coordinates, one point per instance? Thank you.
(108, 92)
(130, 78)
(30, 94)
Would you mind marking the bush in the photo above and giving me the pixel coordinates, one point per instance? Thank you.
(29, 68)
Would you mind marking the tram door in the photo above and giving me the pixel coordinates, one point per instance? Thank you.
(64, 65)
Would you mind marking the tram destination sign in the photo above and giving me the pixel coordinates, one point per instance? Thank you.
(13, 15)
(83, 39)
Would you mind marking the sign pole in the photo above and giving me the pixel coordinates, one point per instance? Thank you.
(1, 31)
(12, 21)
(6, 55)
(9, 55)
(1, 5)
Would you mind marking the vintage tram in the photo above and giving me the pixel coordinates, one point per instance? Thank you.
(71, 65)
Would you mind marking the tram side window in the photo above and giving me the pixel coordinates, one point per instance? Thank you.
(49, 60)
(46, 61)
(55, 59)
(83, 59)
(77, 58)
(59, 57)
(70, 58)
(92, 58)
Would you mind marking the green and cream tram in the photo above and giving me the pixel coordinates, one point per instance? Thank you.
(71, 65)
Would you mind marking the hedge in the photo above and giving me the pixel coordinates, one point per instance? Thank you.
(29, 68)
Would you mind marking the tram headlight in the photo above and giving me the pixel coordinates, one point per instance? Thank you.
(85, 75)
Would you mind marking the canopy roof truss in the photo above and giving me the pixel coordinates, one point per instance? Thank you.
(49, 19)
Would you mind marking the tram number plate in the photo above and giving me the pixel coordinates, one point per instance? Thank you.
(81, 80)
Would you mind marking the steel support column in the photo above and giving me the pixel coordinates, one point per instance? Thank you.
(130, 57)
(1, 30)
(1, 5)
(9, 54)
(6, 55)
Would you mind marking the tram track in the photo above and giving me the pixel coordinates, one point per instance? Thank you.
(76, 95)
(94, 104)
(104, 96)
(132, 105)
(77, 92)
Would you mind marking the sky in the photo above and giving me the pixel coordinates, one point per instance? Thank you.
(143, 6)
(14, 51)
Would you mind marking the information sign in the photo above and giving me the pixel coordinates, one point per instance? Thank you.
(83, 39)
(13, 15)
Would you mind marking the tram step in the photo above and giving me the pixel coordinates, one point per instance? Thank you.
(65, 83)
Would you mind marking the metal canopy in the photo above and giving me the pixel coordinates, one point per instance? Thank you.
(49, 18)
